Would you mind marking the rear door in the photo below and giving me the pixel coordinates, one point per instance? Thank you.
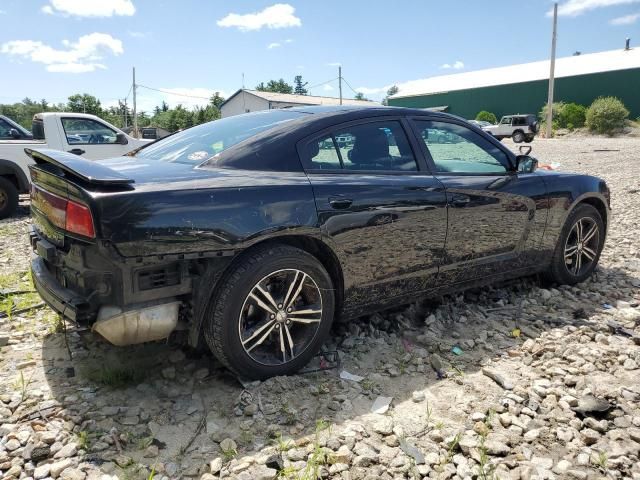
(90, 138)
(496, 215)
(384, 215)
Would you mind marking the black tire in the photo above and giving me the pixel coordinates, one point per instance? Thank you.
(8, 198)
(518, 136)
(223, 322)
(559, 271)
(528, 138)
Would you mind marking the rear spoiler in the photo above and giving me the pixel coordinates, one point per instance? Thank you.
(87, 170)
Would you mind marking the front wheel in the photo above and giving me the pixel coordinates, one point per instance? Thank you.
(528, 138)
(8, 198)
(272, 314)
(579, 246)
(518, 137)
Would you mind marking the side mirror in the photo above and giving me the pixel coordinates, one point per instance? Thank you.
(14, 133)
(526, 164)
(525, 149)
(121, 139)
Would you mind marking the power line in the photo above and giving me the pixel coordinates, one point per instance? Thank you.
(352, 89)
(173, 93)
(323, 83)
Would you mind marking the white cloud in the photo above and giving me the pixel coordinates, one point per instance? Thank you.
(626, 20)
(2, 12)
(334, 64)
(280, 15)
(90, 8)
(78, 57)
(327, 87)
(274, 45)
(135, 34)
(373, 91)
(457, 65)
(289, 40)
(188, 97)
(573, 8)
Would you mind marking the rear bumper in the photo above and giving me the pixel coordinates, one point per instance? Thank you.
(64, 301)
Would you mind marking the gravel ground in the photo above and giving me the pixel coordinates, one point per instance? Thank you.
(545, 381)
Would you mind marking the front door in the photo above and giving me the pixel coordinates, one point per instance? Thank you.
(496, 215)
(90, 138)
(382, 214)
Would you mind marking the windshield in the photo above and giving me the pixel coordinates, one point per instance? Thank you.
(197, 144)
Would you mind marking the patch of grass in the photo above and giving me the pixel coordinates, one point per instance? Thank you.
(145, 442)
(288, 413)
(56, 324)
(246, 437)
(114, 376)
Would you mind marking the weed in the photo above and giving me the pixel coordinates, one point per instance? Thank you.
(83, 440)
(145, 442)
(56, 324)
(282, 444)
(289, 414)
(428, 412)
(246, 437)
(114, 376)
(229, 454)
(439, 425)
(451, 449)
(368, 385)
(602, 461)
(152, 474)
(22, 385)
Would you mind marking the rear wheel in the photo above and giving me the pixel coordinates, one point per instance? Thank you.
(518, 136)
(528, 138)
(8, 198)
(579, 246)
(272, 313)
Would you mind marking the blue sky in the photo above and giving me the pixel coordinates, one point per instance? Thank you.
(54, 48)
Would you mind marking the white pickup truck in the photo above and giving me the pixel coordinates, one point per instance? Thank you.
(78, 133)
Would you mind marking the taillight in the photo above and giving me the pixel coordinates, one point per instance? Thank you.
(79, 220)
(66, 214)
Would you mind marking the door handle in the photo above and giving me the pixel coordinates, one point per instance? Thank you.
(77, 151)
(340, 203)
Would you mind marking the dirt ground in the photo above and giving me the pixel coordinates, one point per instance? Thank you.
(519, 381)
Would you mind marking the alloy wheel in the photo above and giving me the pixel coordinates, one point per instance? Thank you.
(581, 247)
(280, 317)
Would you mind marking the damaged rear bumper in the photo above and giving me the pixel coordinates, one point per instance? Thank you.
(135, 324)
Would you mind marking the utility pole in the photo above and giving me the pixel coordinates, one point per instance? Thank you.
(135, 116)
(340, 81)
(552, 72)
(124, 114)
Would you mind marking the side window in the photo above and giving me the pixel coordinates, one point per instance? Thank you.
(457, 149)
(506, 121)
(4, 130)
(86, 131)
(323, 154)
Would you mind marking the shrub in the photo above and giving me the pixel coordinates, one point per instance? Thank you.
(606, 115)
(572, 115)
(557, 108)
(485, 116)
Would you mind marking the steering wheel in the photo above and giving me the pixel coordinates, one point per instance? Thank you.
(94, 139)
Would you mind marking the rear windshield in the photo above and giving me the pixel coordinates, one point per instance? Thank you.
(197, 144)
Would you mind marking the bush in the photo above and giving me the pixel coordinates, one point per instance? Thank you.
(606, 115)
(572, 115)
(485, 116)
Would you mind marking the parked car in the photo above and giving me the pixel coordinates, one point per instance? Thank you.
(10, 130)
(480, 123)
(253, 237)
(520, 128)
(77, 133)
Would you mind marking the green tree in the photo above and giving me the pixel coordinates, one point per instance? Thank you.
(606, 115)
(276, 86)
(484, 116)
(360, 96)
(299, 86)
(84, 103)
(392, 91)
(216, 100)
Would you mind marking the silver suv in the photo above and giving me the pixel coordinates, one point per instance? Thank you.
(521, 128)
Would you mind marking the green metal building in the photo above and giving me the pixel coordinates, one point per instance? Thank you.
(523, 88)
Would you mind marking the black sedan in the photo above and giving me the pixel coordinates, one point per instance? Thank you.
(252, 233)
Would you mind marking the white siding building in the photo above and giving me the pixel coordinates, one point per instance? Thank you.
(245, 101)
